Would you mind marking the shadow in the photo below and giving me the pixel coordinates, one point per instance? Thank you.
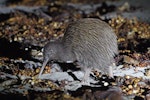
(14, 50)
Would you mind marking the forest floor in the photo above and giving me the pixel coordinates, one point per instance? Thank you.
(27, 25)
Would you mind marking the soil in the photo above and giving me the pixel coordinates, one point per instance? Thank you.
(27, 25)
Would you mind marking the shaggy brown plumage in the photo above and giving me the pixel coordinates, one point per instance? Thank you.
(90, 41)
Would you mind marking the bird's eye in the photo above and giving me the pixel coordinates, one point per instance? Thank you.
(51, 51)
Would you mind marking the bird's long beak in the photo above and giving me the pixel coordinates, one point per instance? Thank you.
(43, 66)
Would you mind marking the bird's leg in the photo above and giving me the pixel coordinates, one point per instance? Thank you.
(110, 70)
(86, 75)
(43, 66)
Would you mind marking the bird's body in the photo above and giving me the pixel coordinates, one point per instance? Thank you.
(90, 41)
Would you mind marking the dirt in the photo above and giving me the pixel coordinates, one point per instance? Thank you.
(27, 25)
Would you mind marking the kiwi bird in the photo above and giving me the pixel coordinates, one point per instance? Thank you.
(89, 41)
